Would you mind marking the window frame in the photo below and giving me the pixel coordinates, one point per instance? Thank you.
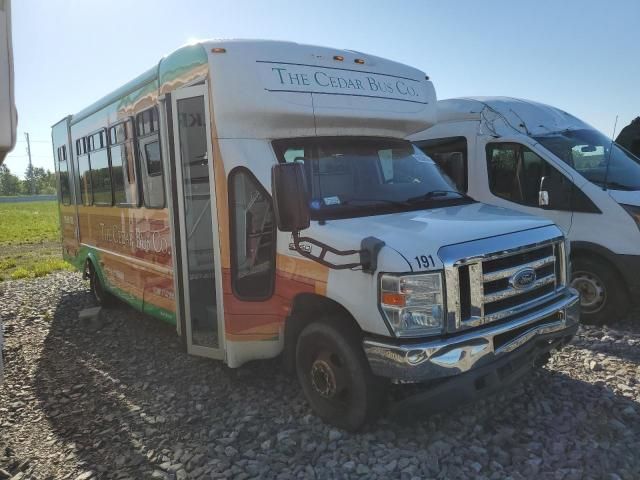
(233, 240)
(133, 140)
(141, 139)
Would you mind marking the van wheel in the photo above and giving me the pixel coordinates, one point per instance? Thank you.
(335, 375)
(100, 295)
(603, 297)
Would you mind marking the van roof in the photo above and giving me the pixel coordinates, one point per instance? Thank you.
(515, 114)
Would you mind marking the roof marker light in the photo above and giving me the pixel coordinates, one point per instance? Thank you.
(359, 61)
(218, 50)
(339, 58)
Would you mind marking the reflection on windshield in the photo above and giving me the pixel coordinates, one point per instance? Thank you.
(349, 176)
(588, 151)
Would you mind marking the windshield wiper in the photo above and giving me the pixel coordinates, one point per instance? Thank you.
(435, 194)
(374, 201)
(616, 186)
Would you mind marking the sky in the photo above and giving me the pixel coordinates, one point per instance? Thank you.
(578, 55)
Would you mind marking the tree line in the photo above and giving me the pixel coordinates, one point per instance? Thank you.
(37, 181)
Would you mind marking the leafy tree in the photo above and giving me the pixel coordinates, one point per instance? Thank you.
(9, 183)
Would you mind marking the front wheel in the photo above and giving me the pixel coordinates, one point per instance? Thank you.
(100, 295)
(335, 376)
(603, 297)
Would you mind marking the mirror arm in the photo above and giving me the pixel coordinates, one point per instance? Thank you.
(368, 254)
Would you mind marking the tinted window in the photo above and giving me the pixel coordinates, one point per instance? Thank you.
(84, 175)
(451, 156)
(253, 236)
(121, 151)
(101, 177)
(150, 156)
(63, 176)
(515, 173)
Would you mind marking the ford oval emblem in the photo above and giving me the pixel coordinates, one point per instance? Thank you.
(523, 279)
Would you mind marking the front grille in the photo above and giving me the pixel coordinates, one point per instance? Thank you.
(489, 290)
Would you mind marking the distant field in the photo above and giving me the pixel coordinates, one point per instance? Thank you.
(29, 240)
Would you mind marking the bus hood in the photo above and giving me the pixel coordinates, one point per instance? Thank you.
(424, 232)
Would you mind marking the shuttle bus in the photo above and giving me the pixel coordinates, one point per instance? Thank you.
(260, 196)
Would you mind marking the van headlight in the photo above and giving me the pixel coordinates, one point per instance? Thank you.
(634, 211)
(413, 304)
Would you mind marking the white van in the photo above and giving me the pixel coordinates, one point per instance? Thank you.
(261, 197)
(541, 160)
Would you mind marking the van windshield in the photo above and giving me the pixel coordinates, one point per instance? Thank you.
(356, 176)
(588, 151)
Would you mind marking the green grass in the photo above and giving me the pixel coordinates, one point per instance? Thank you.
(29, 240)
(28, 222)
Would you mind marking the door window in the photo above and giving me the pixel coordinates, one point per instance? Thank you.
(254, 237)
(515, 173)
(150, 157)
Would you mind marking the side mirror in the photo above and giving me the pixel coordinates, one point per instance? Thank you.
(290, 197)
(543, 198)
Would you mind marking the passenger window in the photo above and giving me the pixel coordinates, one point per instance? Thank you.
(451, 156)
(63, 176)
(515, 173)
(123, 171)
(83, 172)
(100, 172)
(253, 237)
(151, 158)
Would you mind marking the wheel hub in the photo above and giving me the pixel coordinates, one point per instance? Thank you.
(323, 379)
(592, 290)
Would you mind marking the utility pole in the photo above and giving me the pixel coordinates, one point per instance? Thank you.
(30, 168)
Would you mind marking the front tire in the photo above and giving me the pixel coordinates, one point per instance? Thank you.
(100, 294)
(603, 296)
(335, 375)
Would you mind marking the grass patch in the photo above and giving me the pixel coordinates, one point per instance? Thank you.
(28, 223)
(29, 240)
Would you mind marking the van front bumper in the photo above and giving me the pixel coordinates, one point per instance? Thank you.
(419, 362)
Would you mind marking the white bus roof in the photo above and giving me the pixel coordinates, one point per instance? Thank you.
(524, 116)
(277, 89)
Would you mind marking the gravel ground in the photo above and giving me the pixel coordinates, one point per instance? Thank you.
(122, 400)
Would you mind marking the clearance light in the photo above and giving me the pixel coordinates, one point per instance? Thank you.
(339, 58)
(218, 50)
(359, 61)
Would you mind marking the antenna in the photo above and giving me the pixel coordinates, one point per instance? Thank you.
(606, 172)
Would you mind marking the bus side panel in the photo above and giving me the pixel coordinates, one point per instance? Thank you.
(131, 250)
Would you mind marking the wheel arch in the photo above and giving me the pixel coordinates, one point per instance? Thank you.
(598, 252)
(306, 308)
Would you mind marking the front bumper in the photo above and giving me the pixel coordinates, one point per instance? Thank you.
(437, 359)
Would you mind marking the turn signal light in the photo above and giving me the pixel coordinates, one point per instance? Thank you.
(393, 299)
(218, 50)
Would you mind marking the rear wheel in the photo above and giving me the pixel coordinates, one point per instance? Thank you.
(335, 376)
(100, 295)
(603, 297)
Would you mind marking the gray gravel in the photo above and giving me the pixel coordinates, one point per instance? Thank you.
(120, 399)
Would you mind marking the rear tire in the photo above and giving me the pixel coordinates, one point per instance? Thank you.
(603, 296)
(335, 375)
(100, 294)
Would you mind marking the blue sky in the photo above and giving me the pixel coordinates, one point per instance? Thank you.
(579, 55)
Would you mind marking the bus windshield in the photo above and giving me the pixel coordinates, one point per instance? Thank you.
(588, 151)
(359, 176)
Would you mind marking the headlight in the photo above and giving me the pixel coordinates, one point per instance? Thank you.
(413, 304)
(634, 211)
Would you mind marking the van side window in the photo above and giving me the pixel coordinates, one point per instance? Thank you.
(253, 237)
(123, 165)
(84, 172)
(100, 172)
(63, 176)
(147, 127)
(515, 173)
(451, 156)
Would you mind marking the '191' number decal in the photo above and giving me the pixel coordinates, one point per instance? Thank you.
(425, 261)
